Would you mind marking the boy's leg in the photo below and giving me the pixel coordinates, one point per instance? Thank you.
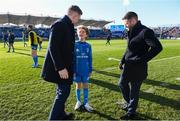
(40, 47)
(78, 92)
(13, 47)
(25, 45)
(35, 57)
(77, 79)
(9, 47)
(109, 42)
(58, 109)
(85, 92)
(7, 43)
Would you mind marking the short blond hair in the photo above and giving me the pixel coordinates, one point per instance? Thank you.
(83, 27)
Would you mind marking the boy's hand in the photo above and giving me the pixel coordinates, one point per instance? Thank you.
(63, 74)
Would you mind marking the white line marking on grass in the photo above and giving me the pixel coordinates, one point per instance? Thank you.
(156, 60)
(36, 82)
(178, 78)
(110, 68)
(150, 90)
(115, 59)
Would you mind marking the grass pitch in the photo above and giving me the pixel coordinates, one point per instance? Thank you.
(25, 96)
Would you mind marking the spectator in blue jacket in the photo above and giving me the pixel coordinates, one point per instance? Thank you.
(82, 67)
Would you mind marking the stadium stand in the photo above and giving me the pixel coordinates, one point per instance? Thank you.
(171, 32)
(17, 24)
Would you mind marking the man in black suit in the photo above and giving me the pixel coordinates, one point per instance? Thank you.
(58, 64)
(142, 46)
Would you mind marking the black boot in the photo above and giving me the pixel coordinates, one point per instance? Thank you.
(129, 117)
(68, 116)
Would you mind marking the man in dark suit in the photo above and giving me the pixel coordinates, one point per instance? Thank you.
(58, 64)
(142, 46)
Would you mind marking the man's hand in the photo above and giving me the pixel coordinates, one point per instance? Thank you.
(121, 66)
(63, 74)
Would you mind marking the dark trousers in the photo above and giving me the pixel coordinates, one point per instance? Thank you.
(11, 45)
(5, 43)
(130, 91)
(108, 42)
(58, 109)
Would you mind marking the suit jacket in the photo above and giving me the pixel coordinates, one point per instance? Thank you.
(60, 52)
(142, 47)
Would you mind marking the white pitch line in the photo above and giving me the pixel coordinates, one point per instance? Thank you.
(178, 78)
(156, 60)
(150, 90)
(113, 59)
(150, 61)
(164, 59)
(110, 68)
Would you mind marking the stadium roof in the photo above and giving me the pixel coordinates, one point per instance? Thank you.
(35, 20)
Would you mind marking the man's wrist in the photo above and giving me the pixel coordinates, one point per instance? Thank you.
(60, 69)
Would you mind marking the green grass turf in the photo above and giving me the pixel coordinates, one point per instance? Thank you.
(24, 95)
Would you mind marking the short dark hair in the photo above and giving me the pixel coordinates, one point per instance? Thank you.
(30, 26)
(75, 8)
(130, 15)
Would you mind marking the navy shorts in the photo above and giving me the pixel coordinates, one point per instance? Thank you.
(34, 47)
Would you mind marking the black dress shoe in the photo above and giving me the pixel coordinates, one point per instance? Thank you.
(129, 117)
(68, 116)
